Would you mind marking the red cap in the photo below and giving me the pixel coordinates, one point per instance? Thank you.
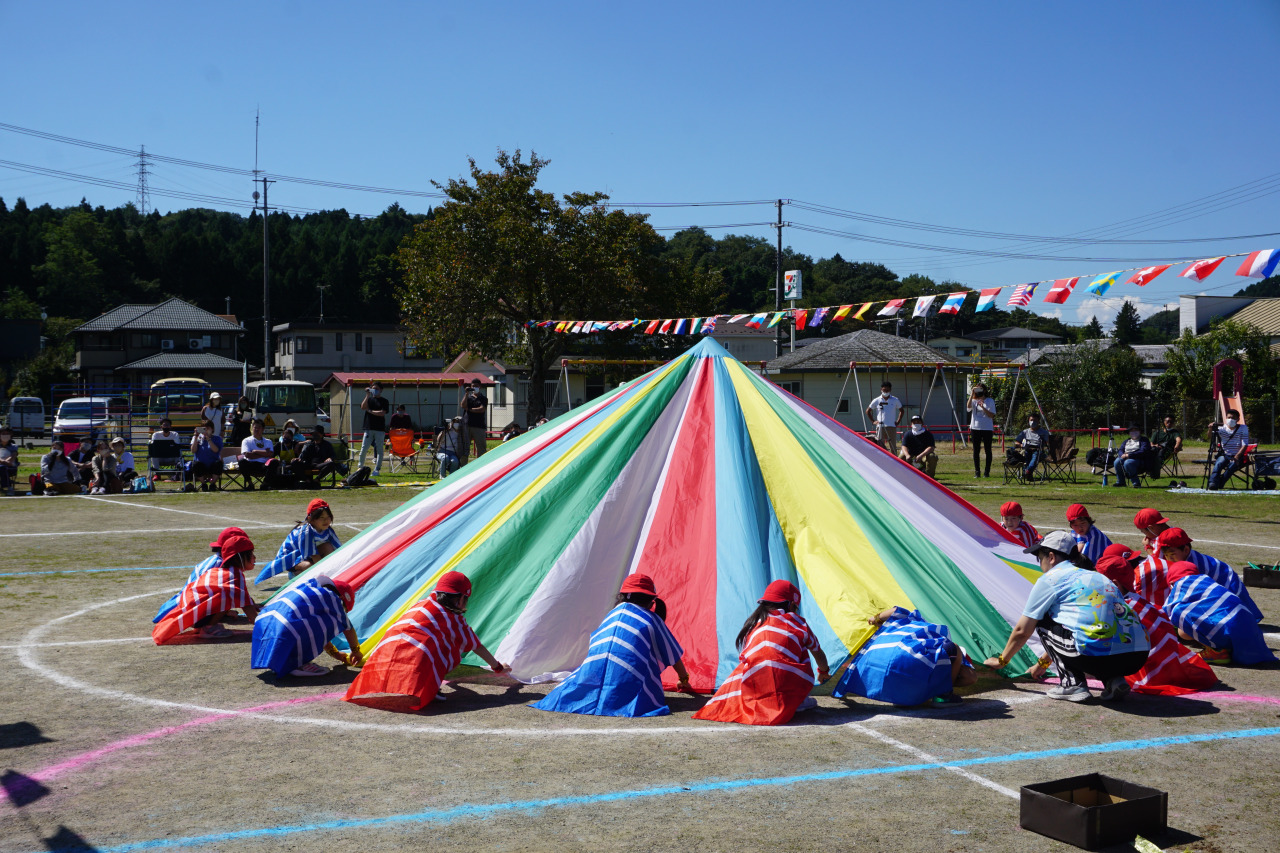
(318, 503)
(1175, 536)
(1009, 508)
(1180, 570)
(236, 543)
(639, 583)
(1076, 512)
(347, 593)
(781, 592)
(1117, 570)
(1148, 518)
(1124, 552)
(222, 537)
(454, 583)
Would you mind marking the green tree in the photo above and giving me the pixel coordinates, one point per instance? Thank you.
(1189, 378)
(1266, 287)
(1085, 385)
(1161, 327)
(1093, 330)
(501, 253)
(53, 363)
(1128, 327)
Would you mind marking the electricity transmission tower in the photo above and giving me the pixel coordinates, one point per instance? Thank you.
(144, 193)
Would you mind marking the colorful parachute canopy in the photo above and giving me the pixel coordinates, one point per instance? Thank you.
(714, 482)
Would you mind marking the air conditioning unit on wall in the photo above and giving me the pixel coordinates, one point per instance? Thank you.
(195, 344)
(166, 343)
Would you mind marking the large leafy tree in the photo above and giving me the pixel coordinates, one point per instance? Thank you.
(1189, 378)
(501, 252)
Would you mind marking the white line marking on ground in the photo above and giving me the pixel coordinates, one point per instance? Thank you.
(246, 525)
(933, 759)
(83, 643)
(1243, 544)
(132, 505)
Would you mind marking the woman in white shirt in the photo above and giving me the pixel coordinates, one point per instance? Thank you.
(982, 425)
(213, 412)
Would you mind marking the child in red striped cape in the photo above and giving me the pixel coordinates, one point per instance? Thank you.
(207, 599)
(773, 678)
(405, 670)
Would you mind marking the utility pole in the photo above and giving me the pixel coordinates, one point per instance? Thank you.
(267, 353)
(777, 284)
(144, 192)
(322, 288)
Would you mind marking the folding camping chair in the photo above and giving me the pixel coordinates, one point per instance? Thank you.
(1059, 460)
(165, 456)
(406, 453)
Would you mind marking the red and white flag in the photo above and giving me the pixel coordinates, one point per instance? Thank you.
(891, 308)
(1061, 289)
(1146, 275)
(1201, 270)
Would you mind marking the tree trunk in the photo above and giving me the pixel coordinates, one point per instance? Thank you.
(541, 357)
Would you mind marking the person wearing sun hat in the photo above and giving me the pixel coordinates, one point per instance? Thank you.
(1175, 545)
(1091, 540)
(1083, 622)
(300, 622)
(1011, 519)
(625, 658)
(212, 561)
(213, 595)
(1207, 613)
(773, 678)
(1171, 668)
(308, 542)
(405, 669)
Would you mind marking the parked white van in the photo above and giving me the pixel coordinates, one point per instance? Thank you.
(90, 417)
(26, 416)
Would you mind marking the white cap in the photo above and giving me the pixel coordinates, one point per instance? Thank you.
(1061, 541)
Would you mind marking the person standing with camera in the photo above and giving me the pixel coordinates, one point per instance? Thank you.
(375, 408)
(885, 412)
(475, 404)
(982, 425)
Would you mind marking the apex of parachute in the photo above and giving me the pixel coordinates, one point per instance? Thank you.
(708, 347)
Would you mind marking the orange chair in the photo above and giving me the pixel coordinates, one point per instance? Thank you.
(405, 452)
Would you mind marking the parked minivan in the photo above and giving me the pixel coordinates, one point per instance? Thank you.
(278, 400)
(26, 416)
(90, 417)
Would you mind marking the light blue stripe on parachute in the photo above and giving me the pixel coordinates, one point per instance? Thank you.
(212, 561)
(751, 550)
(906, 662)
(294, 627)
(622, 673)
(302, 543)
(385, 592)
(1215, 617)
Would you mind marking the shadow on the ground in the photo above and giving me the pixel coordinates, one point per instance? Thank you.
(189, 638)
(21, 790)
(462, 699)
(1162, 707)
(66, 841)
(14, 735)
(338, 676)
(1169, 838)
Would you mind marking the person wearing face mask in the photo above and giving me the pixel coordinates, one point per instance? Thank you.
(885, 412)
(1033, 442)
(1132, 461)
(375, 408)
(918, 447)
(1233, 442)
(59, 475)
(449, 446)
(475, 404)
(982, 425)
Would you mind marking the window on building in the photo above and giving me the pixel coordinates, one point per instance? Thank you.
(964, 350)
(594, 385)
(842, 408)
(359, 341)
(147, 340)
(337, 341)
(368, 344)
(791, 387)
(499, 394)
(310, 344)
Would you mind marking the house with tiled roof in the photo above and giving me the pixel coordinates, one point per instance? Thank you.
(926, 380)
(1155, 357)
(136, 345)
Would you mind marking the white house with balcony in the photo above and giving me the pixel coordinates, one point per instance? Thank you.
(311, 352)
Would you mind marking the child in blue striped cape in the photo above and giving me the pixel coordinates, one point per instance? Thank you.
(908, 661)
(211, 562)
(312, 539)
(302, 621)
(622, 673)
(1210, 614)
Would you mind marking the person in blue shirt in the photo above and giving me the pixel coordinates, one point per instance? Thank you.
(206, 451)
(1134, 457)
(1083, 622)
(622, 673)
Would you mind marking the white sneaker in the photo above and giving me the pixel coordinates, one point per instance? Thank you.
(1075, 693)
(808, 703)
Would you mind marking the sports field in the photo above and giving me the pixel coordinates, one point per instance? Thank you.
(111, 743)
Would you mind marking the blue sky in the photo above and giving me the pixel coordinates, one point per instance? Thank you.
(1011, 117)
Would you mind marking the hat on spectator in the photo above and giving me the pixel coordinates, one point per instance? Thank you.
(1117, 570)
(1148, 518)
(1075, 512)
(1123, 552)
(915, 418)
(454, 583)
(1009, 508)
(1180, 570)
(1174, 536)
(317, 504)
(236, 543)
(222, 537)
(780, 592)
(117, 440)
(215, 396)
(1061, 541)
(640, 583)
(317, 430)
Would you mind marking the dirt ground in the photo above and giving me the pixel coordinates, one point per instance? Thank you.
(110, 743)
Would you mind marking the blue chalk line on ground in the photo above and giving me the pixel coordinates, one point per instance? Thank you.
(90, 571)
(491, 809)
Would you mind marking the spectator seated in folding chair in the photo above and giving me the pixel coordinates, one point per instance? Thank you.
(164, 456)
(1029, 448)
(1166, 444)
(206, 456)
(317, 461)
(257, 460)
(405, 452)
(1135, 458)
(1229, 450)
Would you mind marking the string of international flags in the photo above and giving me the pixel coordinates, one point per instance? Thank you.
(1260, 264)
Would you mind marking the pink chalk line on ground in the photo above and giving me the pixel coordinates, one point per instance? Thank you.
(1207, 694)
(78, 761)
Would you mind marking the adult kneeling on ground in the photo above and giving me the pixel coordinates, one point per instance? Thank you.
(1082, 620)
